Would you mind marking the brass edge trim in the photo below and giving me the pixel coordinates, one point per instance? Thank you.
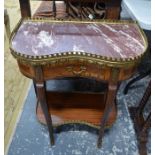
(71, 58)
(72, 122)
(77, 122)
(57, 20)
(38, 60)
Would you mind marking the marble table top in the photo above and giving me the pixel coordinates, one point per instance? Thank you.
(107, 39)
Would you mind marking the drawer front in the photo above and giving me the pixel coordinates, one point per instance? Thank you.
(97, 72)
(76, 70)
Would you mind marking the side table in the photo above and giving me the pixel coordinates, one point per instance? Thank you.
(103, 50)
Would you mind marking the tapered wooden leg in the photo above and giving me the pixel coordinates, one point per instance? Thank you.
(142, 136)
(108, 106)
(147, 124)
(7, 23)
(67, 7)
(41, 95)
(144, 100)
(111, 95)
(40, 87)
(140, 124)
(25, 8)
(35, 88)
(54, 8)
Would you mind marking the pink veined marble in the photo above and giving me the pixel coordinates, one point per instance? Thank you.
(105, 39)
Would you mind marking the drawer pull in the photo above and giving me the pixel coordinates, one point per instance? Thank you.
(75, 72)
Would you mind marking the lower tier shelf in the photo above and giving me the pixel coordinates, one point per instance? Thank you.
(74, 107)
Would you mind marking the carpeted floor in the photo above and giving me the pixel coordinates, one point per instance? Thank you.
(31, 138)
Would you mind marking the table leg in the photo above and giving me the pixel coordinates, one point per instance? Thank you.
(140, 124)
(25, 8)
(40, 87)
(35, 88)
(108, 106)
(41, 95)
(67, 7)
(7, 23)
(144, 100)
(111, 96)
(80, 10)
(54, 8)
(143, 136)
(147, 124)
